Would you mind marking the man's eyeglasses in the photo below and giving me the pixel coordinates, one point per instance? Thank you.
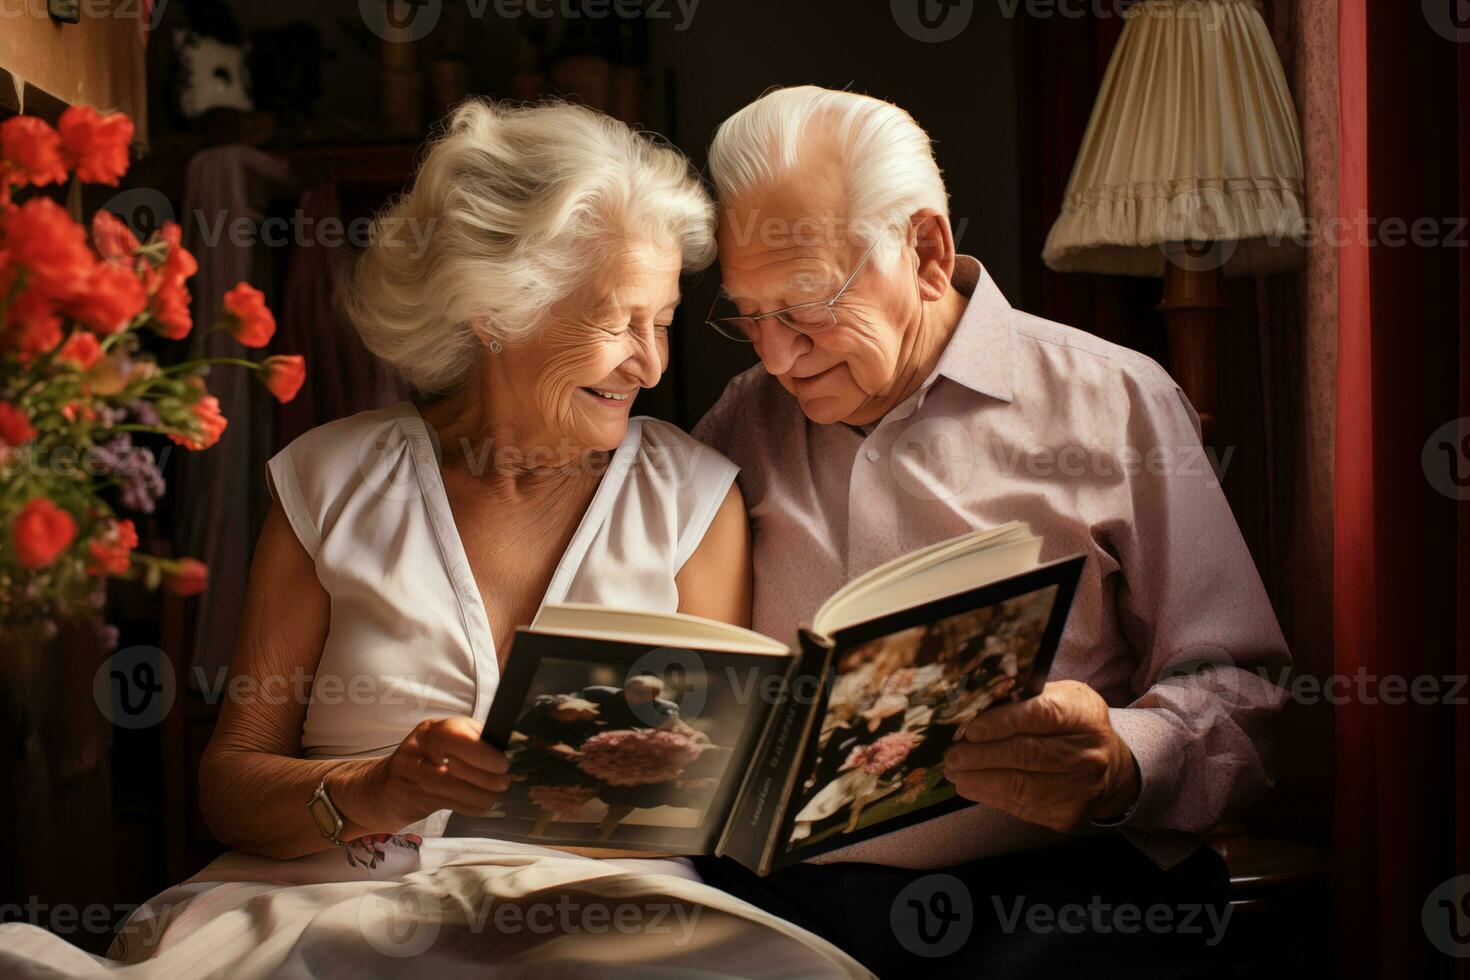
(815, 317)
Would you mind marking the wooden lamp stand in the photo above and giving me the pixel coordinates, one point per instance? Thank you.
(1192, 303)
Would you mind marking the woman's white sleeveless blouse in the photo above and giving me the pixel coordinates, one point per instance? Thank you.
(408, 637)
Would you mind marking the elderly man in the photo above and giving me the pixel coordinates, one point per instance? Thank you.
(900, 400)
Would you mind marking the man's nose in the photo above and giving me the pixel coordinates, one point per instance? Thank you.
(779, 346)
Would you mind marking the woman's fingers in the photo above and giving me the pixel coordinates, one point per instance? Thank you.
(458, 739)
(462, 794)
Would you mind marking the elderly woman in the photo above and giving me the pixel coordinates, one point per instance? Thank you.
(526, 288)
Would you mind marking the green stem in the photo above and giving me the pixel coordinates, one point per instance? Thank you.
(136, 427)
(190, 365)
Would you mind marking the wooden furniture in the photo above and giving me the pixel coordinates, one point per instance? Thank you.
(1280, 905)
(47, 64)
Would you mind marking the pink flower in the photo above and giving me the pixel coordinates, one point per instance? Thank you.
(884, 754)
(561, 801)
(638, 756)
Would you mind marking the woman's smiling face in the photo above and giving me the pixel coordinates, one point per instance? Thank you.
(571, 390)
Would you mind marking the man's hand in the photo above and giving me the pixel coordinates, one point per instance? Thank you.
(1053, 760)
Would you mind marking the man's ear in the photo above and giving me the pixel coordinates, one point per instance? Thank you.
(934, 241)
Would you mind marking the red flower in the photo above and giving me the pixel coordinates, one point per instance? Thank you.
(50, 246)
(210, 422)
(170, 312)
(41, 532)
(81, 349)
(189, 577)
(94, 144)
(112, 552)
(283, 374)
(115, 241)
(179, 264)
(30, 152)
(249, 319)
(74, 410)
(34, 326)
(15, 425)
(114, 296)
(170, 303)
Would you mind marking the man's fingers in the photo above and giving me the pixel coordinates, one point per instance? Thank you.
(1054, 710)
(1005, 789)
(1032, 753)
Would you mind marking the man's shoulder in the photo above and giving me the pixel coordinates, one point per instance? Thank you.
(753, 402)
(1106, 361)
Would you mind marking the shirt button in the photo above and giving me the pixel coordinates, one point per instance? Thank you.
(872, 455)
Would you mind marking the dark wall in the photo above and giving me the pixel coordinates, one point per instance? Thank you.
(963, 91)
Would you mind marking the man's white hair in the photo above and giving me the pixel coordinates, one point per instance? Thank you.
(512, 210)
(887, 159)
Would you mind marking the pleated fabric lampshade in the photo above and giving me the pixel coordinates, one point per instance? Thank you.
(1194, 138)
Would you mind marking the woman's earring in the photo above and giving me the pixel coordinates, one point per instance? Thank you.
(496, 347)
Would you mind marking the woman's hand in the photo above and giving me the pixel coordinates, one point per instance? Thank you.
(441, 765)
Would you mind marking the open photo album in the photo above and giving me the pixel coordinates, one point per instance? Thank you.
(679, 735)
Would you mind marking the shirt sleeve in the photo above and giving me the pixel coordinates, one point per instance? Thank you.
(1210, 650)
(284, 485)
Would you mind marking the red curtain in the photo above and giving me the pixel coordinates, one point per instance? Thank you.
(1402, 808)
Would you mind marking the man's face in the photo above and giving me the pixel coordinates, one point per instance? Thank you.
(783, 246)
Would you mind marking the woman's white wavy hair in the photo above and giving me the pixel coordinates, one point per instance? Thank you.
(888, 162)
(512, 210)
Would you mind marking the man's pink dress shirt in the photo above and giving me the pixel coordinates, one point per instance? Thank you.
(1096, 448)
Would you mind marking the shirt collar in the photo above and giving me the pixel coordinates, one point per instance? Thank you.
(978, 355)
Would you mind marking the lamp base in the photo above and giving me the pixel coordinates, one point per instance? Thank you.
(1193, 300)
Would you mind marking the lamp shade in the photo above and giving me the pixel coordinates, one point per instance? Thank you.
(1193, 139)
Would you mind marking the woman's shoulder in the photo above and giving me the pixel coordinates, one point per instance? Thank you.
(665, 449)
(349, 433)
(357, 457)
(675, 481)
